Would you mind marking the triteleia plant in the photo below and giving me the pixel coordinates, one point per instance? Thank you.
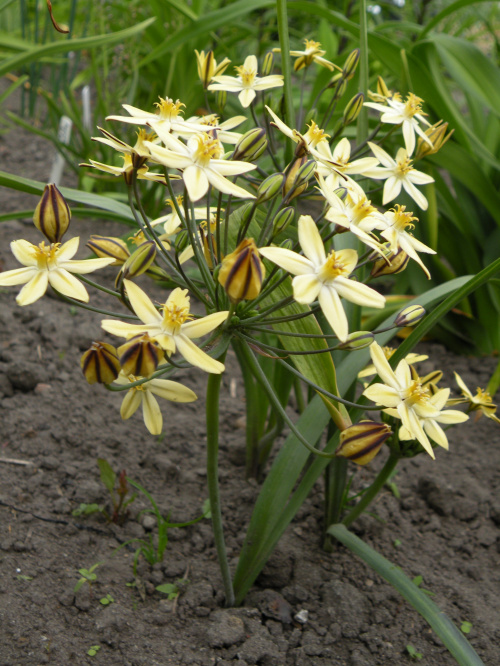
(285, 231)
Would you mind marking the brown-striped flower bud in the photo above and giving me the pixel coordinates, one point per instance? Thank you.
(382, 89)
(270, 187)
(140, 355)
(341, 88)
(361, 442)
(357, 340)
(268, 64)
(139, 261)
(353, 108)
(335, 79)
(52, 214)
(208, 67)
(242, 272)
(209, 242)
(109, 246)
(250, 146)
(409, 316)
(283, 219)
(100, 363)
(297, 177)
(391, 264)
(350, 65)
(436, 134)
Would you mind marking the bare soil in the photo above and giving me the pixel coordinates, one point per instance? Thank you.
(443, 527)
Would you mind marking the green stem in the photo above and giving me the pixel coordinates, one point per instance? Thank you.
(212, 420)
(335, 482)
(252, 438)
(373, 490)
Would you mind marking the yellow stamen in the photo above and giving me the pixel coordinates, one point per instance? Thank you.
(315, 134)
(333, 268)
(208, 148)
(46, 255)
(404, 166)
(247, 75)
(402, 220)
(415, 394)
(168, 109)
(413, 105)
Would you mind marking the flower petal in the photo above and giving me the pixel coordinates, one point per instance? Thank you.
(173, 391)
(358, 293)
(141, 304)
(246, 97)
(17, 276)
(24, 252)
(34, 290)
(85, 265)
(199, 327)
(196, 182)
(382, 366)
(292, 262)
(151, 413)
(68, 285)
(436, 433)
(329, 301)
(310, 240)
(131, 403)
(196, 356)
(306, 288)
(67, 250)
(384, 395)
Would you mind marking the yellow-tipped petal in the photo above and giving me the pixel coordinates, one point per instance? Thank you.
(131, 403)
(151, 413)
(67, 284)
(310, 240)
(196, 356)
(142, 304)
(199, 327)
(306, 288)
(34, 290)
(329, 301)
(173, 391)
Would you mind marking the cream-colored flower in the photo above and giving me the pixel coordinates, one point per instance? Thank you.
(431, 425)
(145, 394)
(312, 53)
(210, 122)
(247, 83)
(343, 167)
(408, 114)
(405, 397)
(388, 352)
(323, 277)
(482, 402)
(354, 212)
(49, 264)
(398, 221)
(127, 170)
(201, 164)
(167, 118)
(398, 173)
(174, 328)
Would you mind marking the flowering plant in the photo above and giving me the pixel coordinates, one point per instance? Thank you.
(288, 279)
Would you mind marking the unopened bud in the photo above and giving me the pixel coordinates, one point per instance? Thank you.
(209, 242)
(108, 246)
(350, 65)
(357, 340)
(140, 355)
(392, 264)
(334, 80)
(353, 108)
(297, 177)
(157, 273)
(220, 100)
(208, 67)
(341, 88)
(52, 214)
(270, 187)
(251, 145)
(283, 219)
(139, 261)
(361, 442)
(437, 135)
(382, 89)
(242, 272)
(409, 316)
(268, 64)
(100, 363)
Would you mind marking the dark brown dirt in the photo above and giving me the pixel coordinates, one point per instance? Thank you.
(444, 527)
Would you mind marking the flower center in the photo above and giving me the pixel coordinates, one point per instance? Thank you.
(332, 268)
(168, 109)
(402, 220)
(360, 210)
(46, 255)
(247, 75)
(208, 148)
(415, 394)
(315, 134)
(482, 397)
(404, 166)
(176, 311)
(413, 105)
(312, 47)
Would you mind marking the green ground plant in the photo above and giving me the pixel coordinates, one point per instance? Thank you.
(283, 231)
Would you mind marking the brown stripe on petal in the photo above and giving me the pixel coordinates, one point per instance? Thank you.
(55, 210)
(240, 259)
(367, 449)
(257, 265)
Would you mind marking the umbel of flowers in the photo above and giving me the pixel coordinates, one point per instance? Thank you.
(260, 243)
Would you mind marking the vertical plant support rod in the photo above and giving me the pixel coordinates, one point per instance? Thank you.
(212, 420)
(285, 61)
(362, 126)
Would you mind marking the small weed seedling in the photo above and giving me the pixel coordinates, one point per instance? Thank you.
(413, 653)
(87, 576)
(466, 627)
(418, 580)
(105, 601)
(118, 490)
(93, 650)
(154, 551)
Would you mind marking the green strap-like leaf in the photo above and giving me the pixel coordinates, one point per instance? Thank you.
(34, 54)
(452, 637)
(119, 210)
